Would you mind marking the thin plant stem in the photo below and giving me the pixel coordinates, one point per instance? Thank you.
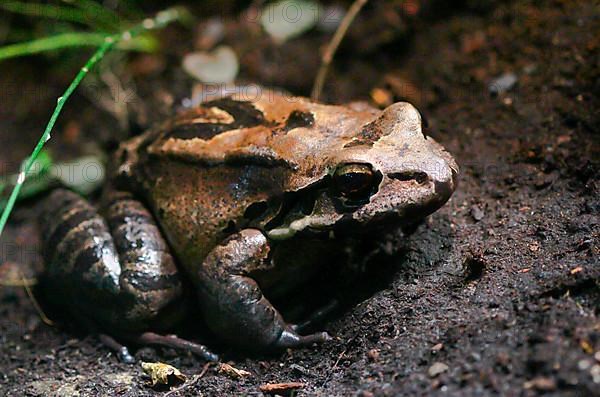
(333, 46)
(190, 383)
(35, 303)
(162, 19)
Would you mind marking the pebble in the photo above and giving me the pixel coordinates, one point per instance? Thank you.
(477, 213)
(373, 354)
(584, 364)
(437, 369)
(436, 348)
(503, 83)
(595, 372)
(299, 369)
(541, 383)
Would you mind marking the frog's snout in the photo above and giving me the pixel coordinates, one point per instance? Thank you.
(435, 180)
(432, 183)
(412, 189)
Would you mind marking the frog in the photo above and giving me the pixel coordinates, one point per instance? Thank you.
(228, 199)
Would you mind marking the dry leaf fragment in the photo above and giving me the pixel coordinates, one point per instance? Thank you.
(541, 383)
(164, 374)
(586, 346)
(281, 388)
(576, 270)
(233, 371)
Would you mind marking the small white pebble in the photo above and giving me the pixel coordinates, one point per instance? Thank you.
(584, 364)
(21, 177)
(595, 372)
(148, 23)
(437, 369)
(186, 102)
(162, 17)
(126, 35)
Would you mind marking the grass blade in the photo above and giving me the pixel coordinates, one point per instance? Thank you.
(50, 11)
(73, 39)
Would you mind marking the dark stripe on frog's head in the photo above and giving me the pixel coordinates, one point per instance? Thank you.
(199, 130)
(298, 119)
(369, 134)
(243, 112)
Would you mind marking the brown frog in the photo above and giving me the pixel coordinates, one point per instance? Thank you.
(232, 198)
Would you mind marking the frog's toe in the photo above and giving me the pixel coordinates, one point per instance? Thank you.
(289, 338)
(173, 341)
(121, 350)
(124, 356)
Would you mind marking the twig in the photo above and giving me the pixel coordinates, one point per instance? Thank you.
(162, 18)
(191, 383)
(339, 358)
(333, 46)
(35, 303)
(281, 388)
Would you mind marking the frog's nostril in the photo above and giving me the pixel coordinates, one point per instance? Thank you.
(418, 176)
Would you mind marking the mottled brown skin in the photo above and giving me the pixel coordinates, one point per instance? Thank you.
(244, 191)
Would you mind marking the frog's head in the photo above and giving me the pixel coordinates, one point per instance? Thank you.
(388, 172)
(392, 172)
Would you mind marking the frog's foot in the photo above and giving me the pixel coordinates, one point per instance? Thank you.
(173, 341)
(234, 306)
(150, 338)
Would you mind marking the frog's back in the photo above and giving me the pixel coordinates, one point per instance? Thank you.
(219, 167)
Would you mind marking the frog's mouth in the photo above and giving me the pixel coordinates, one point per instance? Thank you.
(307, 212)
(395, 199)
(405, 198)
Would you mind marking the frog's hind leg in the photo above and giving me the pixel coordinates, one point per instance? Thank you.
(114, 272)
(232, 302)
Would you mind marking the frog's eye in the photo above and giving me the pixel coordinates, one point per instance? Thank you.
(355, 182)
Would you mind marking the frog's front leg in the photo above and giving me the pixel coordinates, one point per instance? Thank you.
(232, 302)
(113, 273)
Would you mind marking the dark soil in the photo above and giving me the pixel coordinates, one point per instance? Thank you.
(498, 292)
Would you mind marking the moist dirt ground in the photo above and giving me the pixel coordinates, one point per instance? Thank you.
(495, 294)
